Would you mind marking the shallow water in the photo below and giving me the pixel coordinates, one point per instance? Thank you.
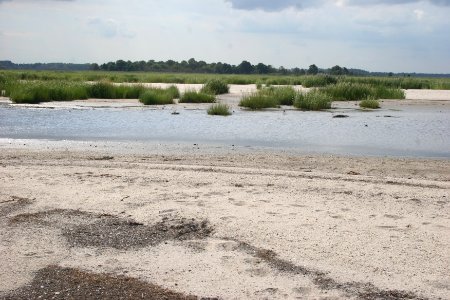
(409, 132)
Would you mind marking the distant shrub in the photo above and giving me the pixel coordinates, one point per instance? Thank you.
(219, 109)
(313, 100)
(197, 97)
(215, 87)
(369, 103)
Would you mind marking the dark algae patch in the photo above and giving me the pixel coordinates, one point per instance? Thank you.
(365, 291)
(12, 204)
(54, 282)
(120, 234)
(83, 229)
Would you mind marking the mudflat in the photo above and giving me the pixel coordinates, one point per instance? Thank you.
(177, 224)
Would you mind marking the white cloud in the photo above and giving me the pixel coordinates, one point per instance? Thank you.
(271, 5)
(419, 14)
(109, 28)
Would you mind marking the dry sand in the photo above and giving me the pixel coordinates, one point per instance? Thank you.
(231, 225)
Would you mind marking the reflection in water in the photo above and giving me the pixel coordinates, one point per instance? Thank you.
(408, 132)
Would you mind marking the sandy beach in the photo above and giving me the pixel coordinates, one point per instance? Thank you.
(92, 219)
(226, 225)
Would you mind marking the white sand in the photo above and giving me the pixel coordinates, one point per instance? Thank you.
(370, 220)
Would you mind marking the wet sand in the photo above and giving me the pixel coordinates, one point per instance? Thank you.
(181, 221)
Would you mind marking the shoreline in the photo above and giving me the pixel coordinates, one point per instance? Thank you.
(415, 98)
(277, 225)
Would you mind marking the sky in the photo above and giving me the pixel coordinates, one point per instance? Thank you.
(375, 35)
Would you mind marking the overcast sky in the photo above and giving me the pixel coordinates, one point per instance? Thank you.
(376, 35)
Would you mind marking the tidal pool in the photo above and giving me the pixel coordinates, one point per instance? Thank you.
(407, 132)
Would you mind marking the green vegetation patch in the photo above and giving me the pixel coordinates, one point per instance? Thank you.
(107, 90)
(315, 99)
(357, 91)
(258, 101)
(318, 81)
(36, 92)
(219, 109)
(269, 97)
(369, 103)
(197, 97)
(157, 97)
(215, 87)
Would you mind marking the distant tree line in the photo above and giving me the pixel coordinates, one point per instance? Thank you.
(9, 65)
(194, 66)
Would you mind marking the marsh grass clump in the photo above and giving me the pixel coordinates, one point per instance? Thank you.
(382, 92)
(258, 100)
(102, 90)
(313, 100)
(215, 87)
(157, 97)
(107, 90)
(36, 92)
(369, 103)
(348, 91)
(357, 91)
(128, 91)
(174, 92)
(219, 109)
(318, 80)
(269, 97)
(193, 96)
(284, 95)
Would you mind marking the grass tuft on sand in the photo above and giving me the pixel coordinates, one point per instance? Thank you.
(197, 97)
(215, 87)
(157, 97)
(369, 103)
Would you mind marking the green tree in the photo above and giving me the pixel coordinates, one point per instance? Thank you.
(245, 67)
(313, 70)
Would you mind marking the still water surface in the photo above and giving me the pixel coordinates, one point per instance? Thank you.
(409, 132)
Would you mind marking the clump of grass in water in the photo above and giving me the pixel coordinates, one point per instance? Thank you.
(313, 100)
(215, 87)
(157, 97)
(219, 109)
(369, 103)
(197, 97)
